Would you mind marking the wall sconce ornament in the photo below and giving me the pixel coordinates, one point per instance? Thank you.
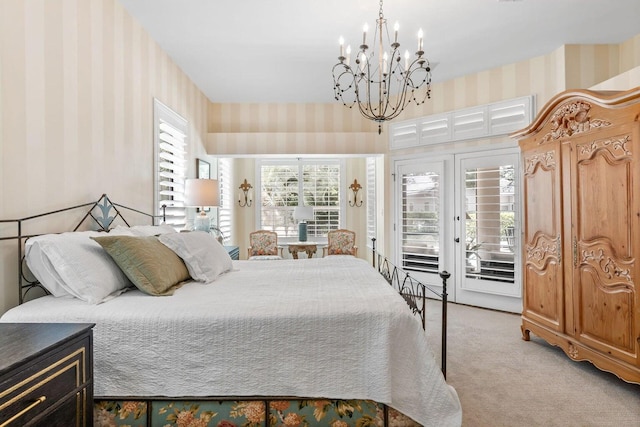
(245, 198)
(357, 200)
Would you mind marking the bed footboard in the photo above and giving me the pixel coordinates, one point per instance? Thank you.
(415, 294)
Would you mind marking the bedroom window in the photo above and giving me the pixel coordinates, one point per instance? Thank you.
(226, 199)
(286, 184)
(170, 142)
(371, 199)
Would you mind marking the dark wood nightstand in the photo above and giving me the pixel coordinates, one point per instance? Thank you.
(46, 374)
(234, 251)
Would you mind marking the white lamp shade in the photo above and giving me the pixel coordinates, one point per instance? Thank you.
(201, 192)
(302, 213)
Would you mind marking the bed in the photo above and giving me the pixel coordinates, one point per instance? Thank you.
(316, 342)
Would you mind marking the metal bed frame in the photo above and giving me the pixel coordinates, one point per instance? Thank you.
(102, 219)
(413, 291)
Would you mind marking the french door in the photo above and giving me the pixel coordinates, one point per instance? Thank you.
(459, 213)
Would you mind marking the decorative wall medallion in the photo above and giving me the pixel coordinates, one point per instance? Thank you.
(607, 265)
(616, 146)
(570, 119)
(546, 160)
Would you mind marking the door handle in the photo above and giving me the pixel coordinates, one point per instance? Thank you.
(457, 240)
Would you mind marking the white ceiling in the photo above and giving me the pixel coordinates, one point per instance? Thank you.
(284, 50)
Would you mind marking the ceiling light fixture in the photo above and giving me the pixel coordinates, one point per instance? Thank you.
(382, 84)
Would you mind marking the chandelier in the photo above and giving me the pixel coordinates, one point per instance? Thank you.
(379, 82)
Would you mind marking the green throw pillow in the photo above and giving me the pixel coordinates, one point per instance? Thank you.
(150, 265)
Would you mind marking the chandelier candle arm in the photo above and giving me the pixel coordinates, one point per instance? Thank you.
(396, 27)
(365, 28)
(380, 83)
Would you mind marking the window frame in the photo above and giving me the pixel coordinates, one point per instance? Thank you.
(370, 202)
(225, 210)
(300, 162)
(163, 114)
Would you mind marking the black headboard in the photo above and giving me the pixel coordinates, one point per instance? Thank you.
(100, 215)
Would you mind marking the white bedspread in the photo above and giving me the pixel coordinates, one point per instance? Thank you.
(327, 327)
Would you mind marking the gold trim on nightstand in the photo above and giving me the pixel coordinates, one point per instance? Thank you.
(24, 411)
(79, 381)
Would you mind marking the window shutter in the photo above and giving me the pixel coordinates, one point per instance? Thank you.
(490, 215)
(282, 184)
(371, 199)
(420, 221)
(278, 197)
(321, 189)
(226, 199)
(170, 147)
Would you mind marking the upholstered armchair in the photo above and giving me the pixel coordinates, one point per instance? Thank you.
(341, 242)
(263, 245)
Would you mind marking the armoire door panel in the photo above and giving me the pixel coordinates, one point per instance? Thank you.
(542, 187)
(543, 297)
(606, 320)
(542, 249)
(604, 221)
(604, 180)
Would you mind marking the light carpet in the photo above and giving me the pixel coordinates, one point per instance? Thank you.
(503, 380)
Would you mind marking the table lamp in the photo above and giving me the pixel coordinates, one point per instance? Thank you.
(302, 214)
(201, 193)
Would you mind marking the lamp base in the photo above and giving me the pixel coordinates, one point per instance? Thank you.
(302, 231)
(201, 223)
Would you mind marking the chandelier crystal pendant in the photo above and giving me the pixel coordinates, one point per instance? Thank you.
(379, 82)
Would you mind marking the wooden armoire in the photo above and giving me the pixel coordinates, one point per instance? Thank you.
(581, 228)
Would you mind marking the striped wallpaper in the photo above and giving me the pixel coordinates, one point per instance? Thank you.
(264, 129)
(250, 129)
(77, 79)
(76, 113)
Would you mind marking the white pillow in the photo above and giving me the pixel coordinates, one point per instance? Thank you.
(265, 258)
(146, 230)
(71, 264)
(204, 256)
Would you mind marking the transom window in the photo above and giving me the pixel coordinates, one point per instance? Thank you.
(287, 184)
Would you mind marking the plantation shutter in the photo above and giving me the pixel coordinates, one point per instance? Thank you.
(170, 147)
(278, 197)
(281, 185)
(371, 199)
(321, 189)
(420, 221)
(226, 199)
(489, 231)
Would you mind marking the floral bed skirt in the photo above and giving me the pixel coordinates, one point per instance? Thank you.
(246, 413)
